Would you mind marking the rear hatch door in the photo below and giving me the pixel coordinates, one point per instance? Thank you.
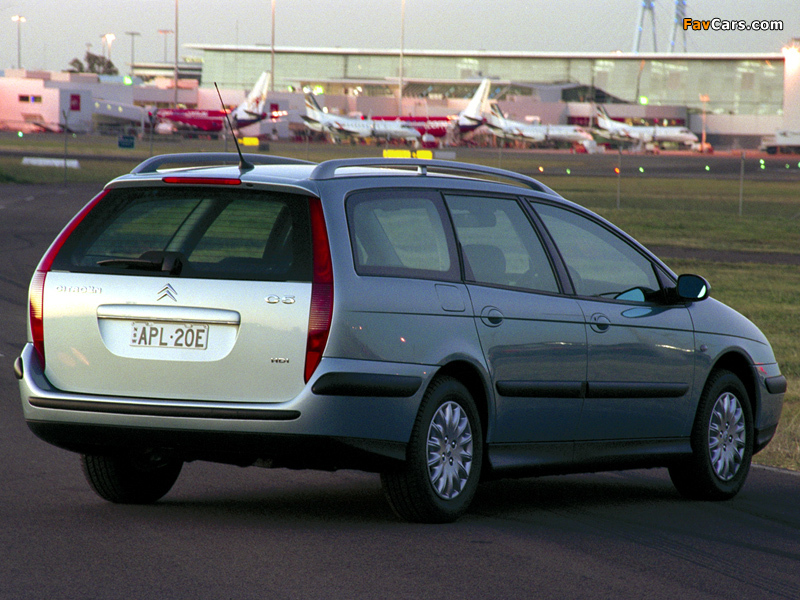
(182, 292)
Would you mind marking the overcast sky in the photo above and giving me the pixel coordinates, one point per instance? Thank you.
(56, 31)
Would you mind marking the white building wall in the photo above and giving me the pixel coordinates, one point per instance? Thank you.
(51, 95)
(735, 125)
(791, 89)
(28, 104)
(25, 104)
(77, 107)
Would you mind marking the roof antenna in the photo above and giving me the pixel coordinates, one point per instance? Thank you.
(243, 164)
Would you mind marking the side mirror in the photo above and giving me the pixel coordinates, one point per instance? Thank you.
(692, 287)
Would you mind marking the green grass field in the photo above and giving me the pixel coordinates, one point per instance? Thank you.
(697, 214)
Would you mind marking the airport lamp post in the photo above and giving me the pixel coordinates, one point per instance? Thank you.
(19, 20)
(108, 39)
(66, 138)
(133, 35)
(704, 99)
(176, 54)
(272, 52)
(165, 33)
(402, 50)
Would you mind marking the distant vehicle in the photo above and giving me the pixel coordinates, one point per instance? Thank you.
(528, 132)
(338, 126)
(194, 120)
(783, 142)
(643, 134)
(702, 148)
(436, 322)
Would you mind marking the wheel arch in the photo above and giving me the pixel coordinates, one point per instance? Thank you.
(470, 376)
(742, 367)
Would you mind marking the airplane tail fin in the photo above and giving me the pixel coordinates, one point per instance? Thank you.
(475, 106)
(312, 104)
(601, 116)
(252, 109)
(498, 113)
(474, 111)
(258, 95)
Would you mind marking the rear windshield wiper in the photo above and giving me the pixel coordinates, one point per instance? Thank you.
(152, 260)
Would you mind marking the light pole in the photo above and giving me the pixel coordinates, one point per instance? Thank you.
(176, 54)
(165, 33)
(402, 50)
(272, 52)
(133, 35)
(19, 19)
(108, 39)
(704, 99)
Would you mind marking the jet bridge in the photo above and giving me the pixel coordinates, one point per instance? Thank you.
(108, 114)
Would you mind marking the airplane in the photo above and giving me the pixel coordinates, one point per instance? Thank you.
(642, 134)
(197, 120)
(252, 110)
(508, 129)
(472, 117)
(432, 128)
(428, 127)
(337, 126)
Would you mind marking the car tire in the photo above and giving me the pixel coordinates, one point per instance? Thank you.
(722, 442)
(124, 479)
(440, 476)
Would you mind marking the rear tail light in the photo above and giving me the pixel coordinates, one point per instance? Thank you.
(36, 292)
(319, 319)
(36, 295)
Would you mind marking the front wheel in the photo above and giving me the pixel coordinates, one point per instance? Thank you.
(722, 442)
(440, 475)
(130, 479)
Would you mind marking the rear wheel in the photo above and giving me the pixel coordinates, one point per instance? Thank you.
(722, 442)
(440, 475)
(130, 479)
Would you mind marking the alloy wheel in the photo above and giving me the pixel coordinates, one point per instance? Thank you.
(449, 450)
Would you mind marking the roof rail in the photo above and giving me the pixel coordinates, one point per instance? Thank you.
(211, 159)
(327, 169)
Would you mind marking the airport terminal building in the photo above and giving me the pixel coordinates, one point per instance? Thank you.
(743, 96)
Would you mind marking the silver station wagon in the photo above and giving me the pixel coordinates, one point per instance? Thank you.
(436, 322)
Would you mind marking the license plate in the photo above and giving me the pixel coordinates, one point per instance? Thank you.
(170, 335)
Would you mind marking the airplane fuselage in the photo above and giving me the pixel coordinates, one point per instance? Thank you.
(644, 133)
(318, 120)
(209, 121)
(436, 126)
(509, 129)
(251, 111)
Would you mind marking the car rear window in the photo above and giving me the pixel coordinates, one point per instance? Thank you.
(212, 233)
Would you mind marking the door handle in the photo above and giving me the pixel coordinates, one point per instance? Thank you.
(491, 316)
(599, 322)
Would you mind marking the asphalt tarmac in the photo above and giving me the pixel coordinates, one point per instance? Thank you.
(227, 532)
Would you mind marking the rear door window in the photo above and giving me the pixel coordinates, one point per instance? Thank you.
(208, 232)
(401, 234)
(499, 244)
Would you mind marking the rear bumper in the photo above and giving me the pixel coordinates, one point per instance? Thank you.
(237, 448)
(320, 430)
